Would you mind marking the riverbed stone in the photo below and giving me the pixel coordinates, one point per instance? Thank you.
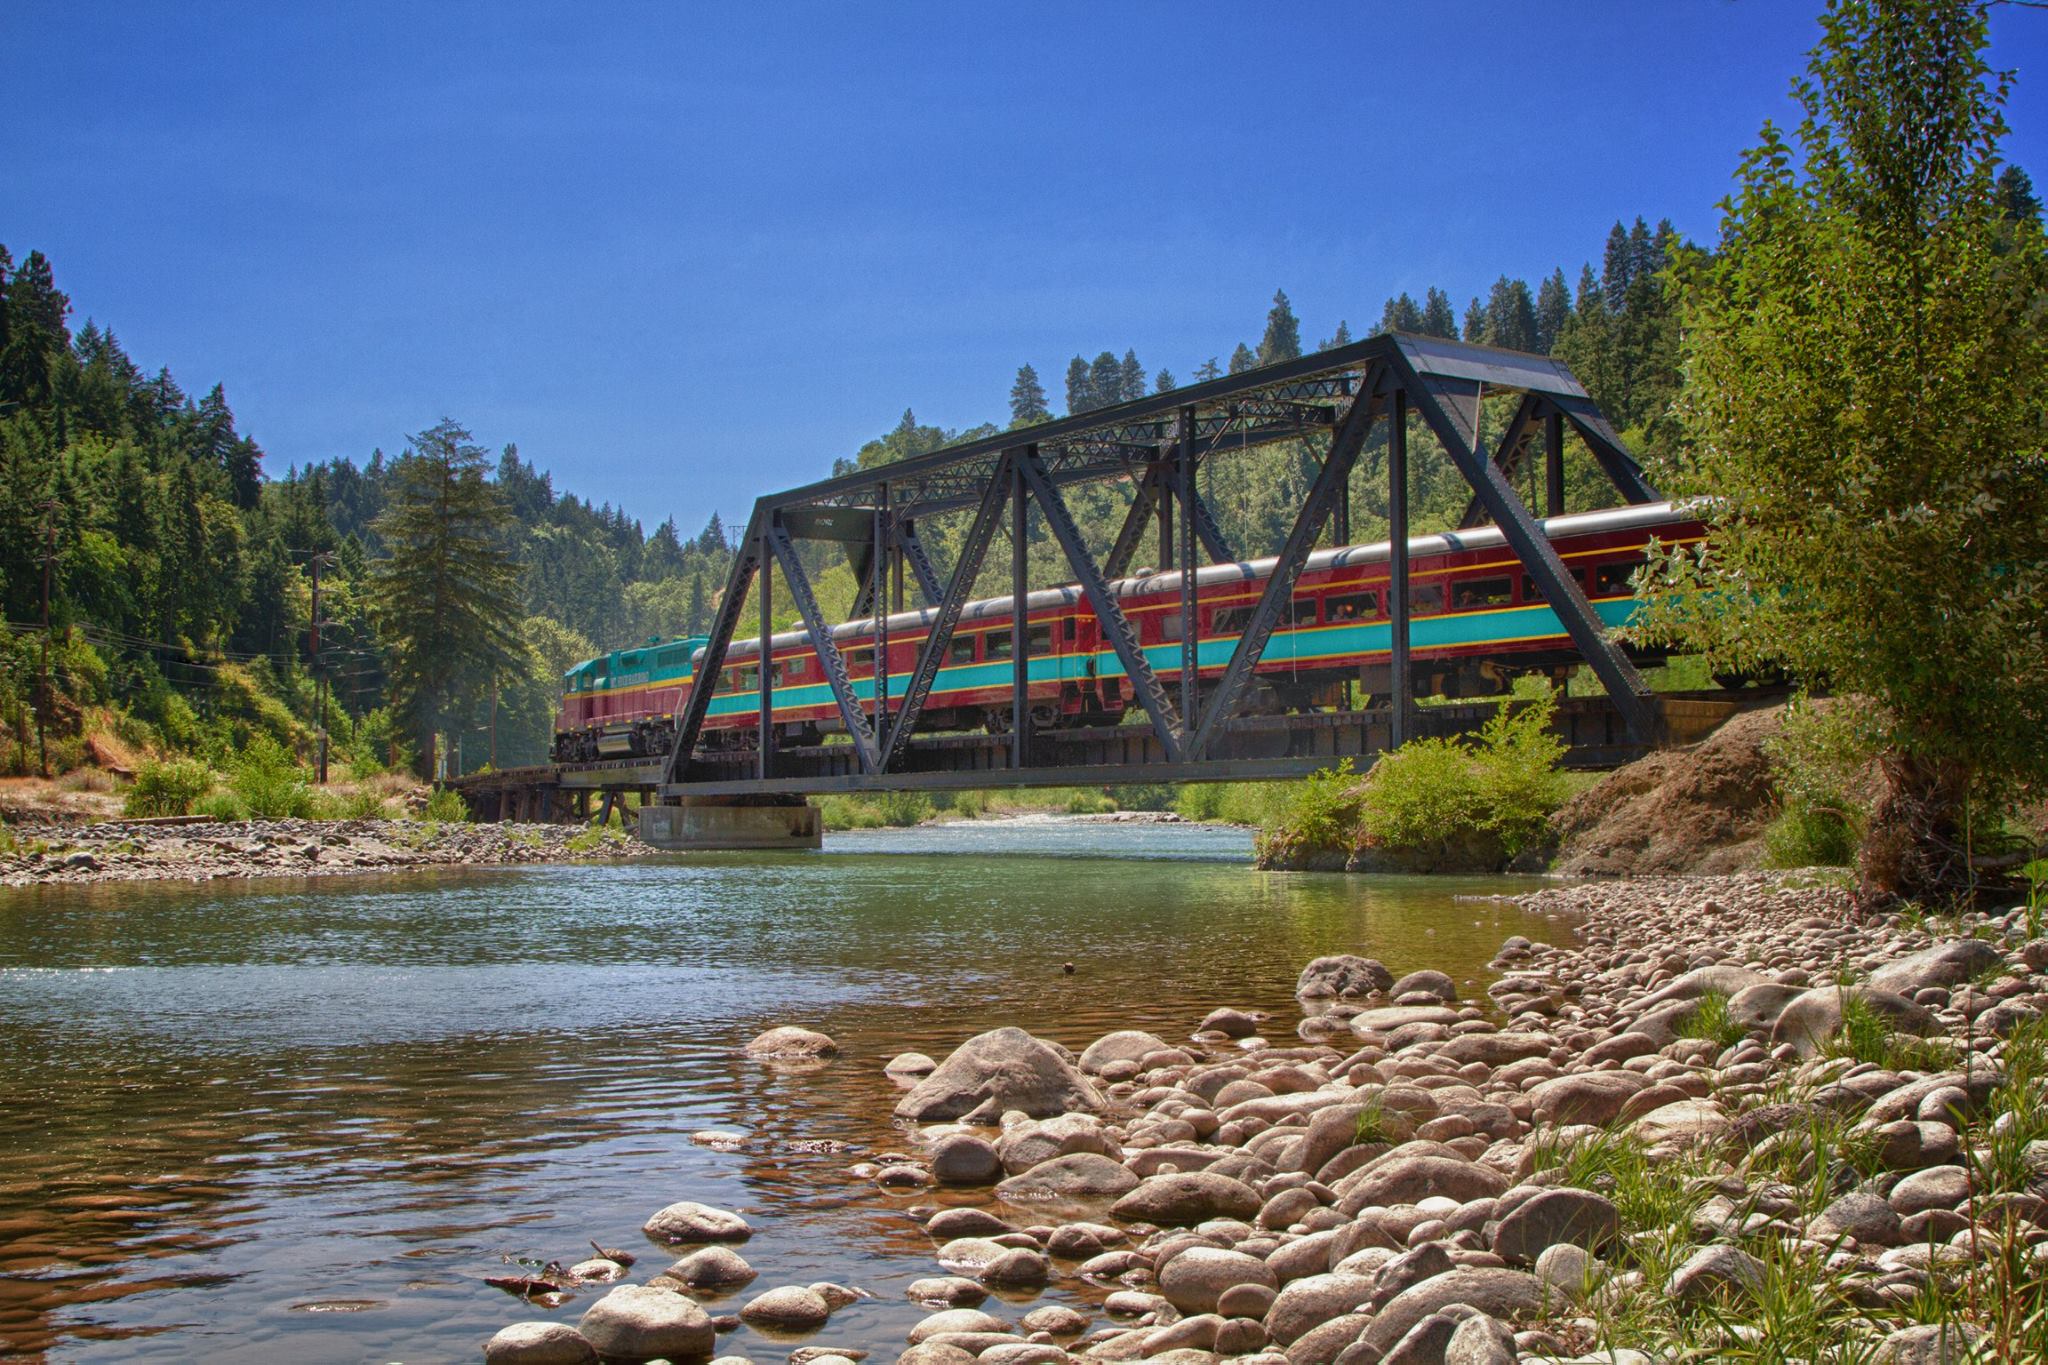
(1937, 1187)
(1187, 1198)
(1056, 1319)
(994, 1072)
(1816, 1016)
(790, 1308)
(686, 1221)
(1125, 1045)
(954, 1290)
(1481, 1340)
(1195, 1280)
(1944, 964)
(1717, 1271)
(539, 1343)
(956, 1320)
(790, 1043)
(964, 1159)
(1931, 1343)
(1596, 1097)
(1579, 1217)
(1412, 1179)
(1310, 1302)
(1343, 975)
(909, 1066)
(1492, 1290)
(1017, 1266)
(1388, 1018)
(1076, 1176)
(641, 1322)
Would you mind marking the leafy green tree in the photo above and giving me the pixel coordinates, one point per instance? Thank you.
(447, 588)
(1027, 399)
(1863, 402)
(1282, 340)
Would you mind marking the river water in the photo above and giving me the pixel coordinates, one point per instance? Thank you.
(304, 1120)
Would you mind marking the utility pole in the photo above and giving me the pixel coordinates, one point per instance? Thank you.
(43, 687)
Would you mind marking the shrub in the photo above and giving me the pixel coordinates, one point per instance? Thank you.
(1817, 758)
(269, 782)
(361, 804)
(221, 805)
(1090, 803)
(167, 788)
(445, 805)
(902, 808)
(1505, 783)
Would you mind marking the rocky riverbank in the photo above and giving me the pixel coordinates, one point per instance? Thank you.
(204, 851)
(1727, 1118)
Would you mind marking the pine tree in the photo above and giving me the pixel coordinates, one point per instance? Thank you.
(1401, 315)
(1080, 391)
(711, 540)
(1615, 268)
(1027, 399)
(2017, 202)
(1242, 359)
(1163, 381)
(1475, 321)
(1282, 340)
(38, 337)
(1437, 318)
(1589, 298)
(1209, 370)
(1645, 260)
(1511, 316)
(1553, 310)
(1131, 383)
(447, 587)
(1105, 381)
(696, 619)
(1342, 337)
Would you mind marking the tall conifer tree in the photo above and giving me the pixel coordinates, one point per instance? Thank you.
(1282, 340)
(1027, 399)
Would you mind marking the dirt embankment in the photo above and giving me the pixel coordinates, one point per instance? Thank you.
(1697, 810)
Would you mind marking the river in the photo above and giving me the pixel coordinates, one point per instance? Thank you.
(303, 1120)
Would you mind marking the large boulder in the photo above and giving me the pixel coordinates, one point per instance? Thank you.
(1342, 975)
(1493, 1291)
(641, 1322)
(789, 1043)
(713, 1267)
(1585, 1096)
(685, 1222)
(1816, 1016)
(995, 1072)
(791, 1308)
(1078, 1175)
(1128, 1045)
(964, 1159)
(1579, 1217)
(539, 1343)
(1187, 1198)
(1313, 1300)
(1196, 1280)
(1412, 1179)
(1945, 964)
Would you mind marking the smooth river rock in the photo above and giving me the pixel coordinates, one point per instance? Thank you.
(1187, 1198)
(539, 1343)
(995, 1072)
(790, 1308)
(789, 1043)
(640, 1322)
(1076, 1176)
(691, 1222)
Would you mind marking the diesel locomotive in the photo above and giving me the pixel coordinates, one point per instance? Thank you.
(1477, 620)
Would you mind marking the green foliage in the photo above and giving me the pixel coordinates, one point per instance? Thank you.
(446, 807)
(876, 810)
(269, 783)
(360, 804)
(1506, 783)
(221, 805)
(1235, 803)
(1818, 760)
(1709, 1020)
(167, 788)
(1090, 803)
(1863, 407)
(1867, 1036)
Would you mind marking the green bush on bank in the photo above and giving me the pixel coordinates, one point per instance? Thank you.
(269, 782)
(1818, 758)
(163, 789)
(1434, 804)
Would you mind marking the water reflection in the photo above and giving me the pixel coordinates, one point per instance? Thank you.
(307, 1119)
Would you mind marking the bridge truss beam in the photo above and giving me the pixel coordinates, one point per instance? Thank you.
(1156, 446)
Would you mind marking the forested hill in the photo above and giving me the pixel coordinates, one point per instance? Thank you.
(181, 577)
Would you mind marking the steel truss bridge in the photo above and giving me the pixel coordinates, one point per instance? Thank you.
(1193, 729)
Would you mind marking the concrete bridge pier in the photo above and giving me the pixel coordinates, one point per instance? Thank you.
(704, 823)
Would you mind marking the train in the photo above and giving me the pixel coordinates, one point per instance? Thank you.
(1477, 621)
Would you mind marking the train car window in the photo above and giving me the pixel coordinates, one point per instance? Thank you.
(1354, 606)
(995, 645)
(1532, 591)
(1230, 620)
(960, 649)
(792, 668)
(1425, 599)
(742, 679)
(1302, 611)
(860, 661)
(1070, 626)
(1039, 640)
(1475, 593)
(1169, 624)
(1611, 580)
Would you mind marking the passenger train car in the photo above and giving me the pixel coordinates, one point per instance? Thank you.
(1477, 621)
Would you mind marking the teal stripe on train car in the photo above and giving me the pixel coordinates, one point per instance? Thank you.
(1434, 632)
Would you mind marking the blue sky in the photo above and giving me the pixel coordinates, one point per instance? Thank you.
(686, 254)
